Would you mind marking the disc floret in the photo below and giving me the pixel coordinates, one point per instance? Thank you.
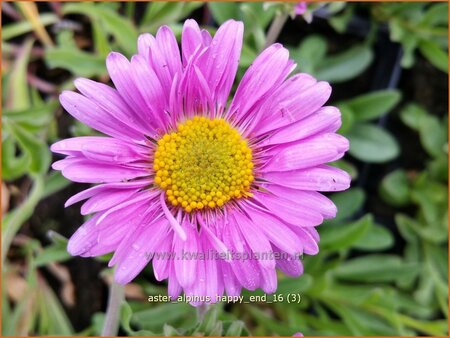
(204, 163)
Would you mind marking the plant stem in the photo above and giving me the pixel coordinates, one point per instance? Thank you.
(201, 311)
(275, 28)
(116, 295)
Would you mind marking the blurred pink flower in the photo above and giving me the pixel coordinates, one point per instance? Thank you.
(300, 8)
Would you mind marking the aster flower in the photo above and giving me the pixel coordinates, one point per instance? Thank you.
(182, 170)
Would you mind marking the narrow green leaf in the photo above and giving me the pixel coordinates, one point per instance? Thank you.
(22, 27)
(375, 268)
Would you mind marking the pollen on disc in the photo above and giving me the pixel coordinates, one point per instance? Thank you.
(204, 163)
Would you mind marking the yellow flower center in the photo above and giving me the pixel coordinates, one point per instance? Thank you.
(203, 163)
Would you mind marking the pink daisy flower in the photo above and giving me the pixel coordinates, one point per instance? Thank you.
(215, 195)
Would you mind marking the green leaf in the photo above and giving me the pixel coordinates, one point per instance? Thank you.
(209, 321)
(33, 118)
(372, 144)
(58, 323)
(125, 320)
(256, 15)
(343, 236)
(394, 188)
(125, 34)
(55, 182)
(340, 22)
(373, 105)
(412, 114)
(434, 54)
(376, 268)
(24, 26)
(436, 14)
(234, 329)
(122, 29)
(377, 238)
(427, 232)
(344, 66)
(34, 147)
(100, 38)
(348, 118)
(154, 318)
(18, 95)
(163, 13)
(310, 52)
(51, 254)
(76, 61)
(348, 203)
(13, 166)
(223, 11)
(433, 135)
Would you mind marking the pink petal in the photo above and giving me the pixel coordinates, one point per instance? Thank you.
(136, 257)
(291, 266)
(191, 39)
(289, 211)
(269, 280)
(312, 199)
(321, 178)
(213, 283)
(222, 60)
(325, 120)
(101, 188)
(278, 233)
(245, 270)
(106, 200)
(256, 240)
(231, 284)
(308, 238)
(86, 111)
(165, 57)
(120, 71)
(161, 263)
(145, 42)
(307, 153)
(111, 102)
(84, 238)
(174, 289)
(297, 98)
(186, 261)
(149, 87)
(87, 171)
(266, 73)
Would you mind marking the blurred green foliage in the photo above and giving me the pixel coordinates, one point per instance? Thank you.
(359, 283)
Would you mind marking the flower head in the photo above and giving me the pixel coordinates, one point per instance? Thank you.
(216, 195)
